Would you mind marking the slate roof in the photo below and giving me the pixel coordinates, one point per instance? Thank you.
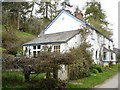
(60, 37)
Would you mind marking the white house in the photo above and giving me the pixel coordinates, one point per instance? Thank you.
(63, 33)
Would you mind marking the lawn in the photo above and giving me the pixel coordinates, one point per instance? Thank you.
(15, 79)
(24, 36)
(93, 80)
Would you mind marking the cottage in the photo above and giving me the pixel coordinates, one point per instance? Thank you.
(63, 33)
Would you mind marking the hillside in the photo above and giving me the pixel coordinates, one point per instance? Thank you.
(13, 40)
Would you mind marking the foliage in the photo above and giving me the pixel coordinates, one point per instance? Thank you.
(10, 42)
(94, 71)
(39, 82)
(110, 63)
(118, 56)
(82, 63)
(9, 76)
(89, 82)
(93, 80)
(82, 56)
(45, 62)
(7, 61)
(98, 67)
(15, 12)
(47, 84)
(19, 16)
(47, 9)
(95, 15)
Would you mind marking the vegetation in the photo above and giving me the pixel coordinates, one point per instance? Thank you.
(94, 79)
(83, 60)
(12, 41)
(18, 23)
(95, 15)
(118, 56)
(46, 62)
(15, 79)
(87, 82)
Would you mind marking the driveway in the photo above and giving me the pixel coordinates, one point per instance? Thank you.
(110, 83)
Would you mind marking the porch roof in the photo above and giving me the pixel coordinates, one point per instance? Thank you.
(60, 37)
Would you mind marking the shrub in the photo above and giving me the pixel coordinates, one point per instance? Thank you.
(110, 63)
(10, 41)
(98, 67)
(95, 71)
(47, 84)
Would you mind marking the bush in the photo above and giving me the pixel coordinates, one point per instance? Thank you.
(47, 84)
(110, 63)
(95, 71)
(98, 67)
(10, 42)
(82, 63)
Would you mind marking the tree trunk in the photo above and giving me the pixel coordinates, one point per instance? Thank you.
(18, 21)
(48, 75)
(27, 76)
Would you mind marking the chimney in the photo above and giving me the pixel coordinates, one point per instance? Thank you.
(78, 14)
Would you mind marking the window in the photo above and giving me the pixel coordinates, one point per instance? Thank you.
(111, 56)
(26, 49)
(38, 46)
(104, 55)
(57, 48)
(34, 47)
(96, 55)
(29, 51)
(38, 52)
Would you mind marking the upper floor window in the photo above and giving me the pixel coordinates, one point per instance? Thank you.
(34, 47)
(39, 46)
(57, 48)
(111, 56)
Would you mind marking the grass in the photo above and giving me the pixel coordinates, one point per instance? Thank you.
(95, 79)
(12, 79)
(1, 49)
(24, 36)
(15, 79)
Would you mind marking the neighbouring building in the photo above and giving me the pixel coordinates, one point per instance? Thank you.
(63, 33)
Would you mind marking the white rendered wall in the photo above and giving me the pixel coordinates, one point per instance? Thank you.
(63, 23)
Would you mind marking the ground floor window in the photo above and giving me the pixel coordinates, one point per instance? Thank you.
(96, 55)
(38, 52)
(34, 47)
(111, 56)
(104, 55)
(39, 46)
(57, 48)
